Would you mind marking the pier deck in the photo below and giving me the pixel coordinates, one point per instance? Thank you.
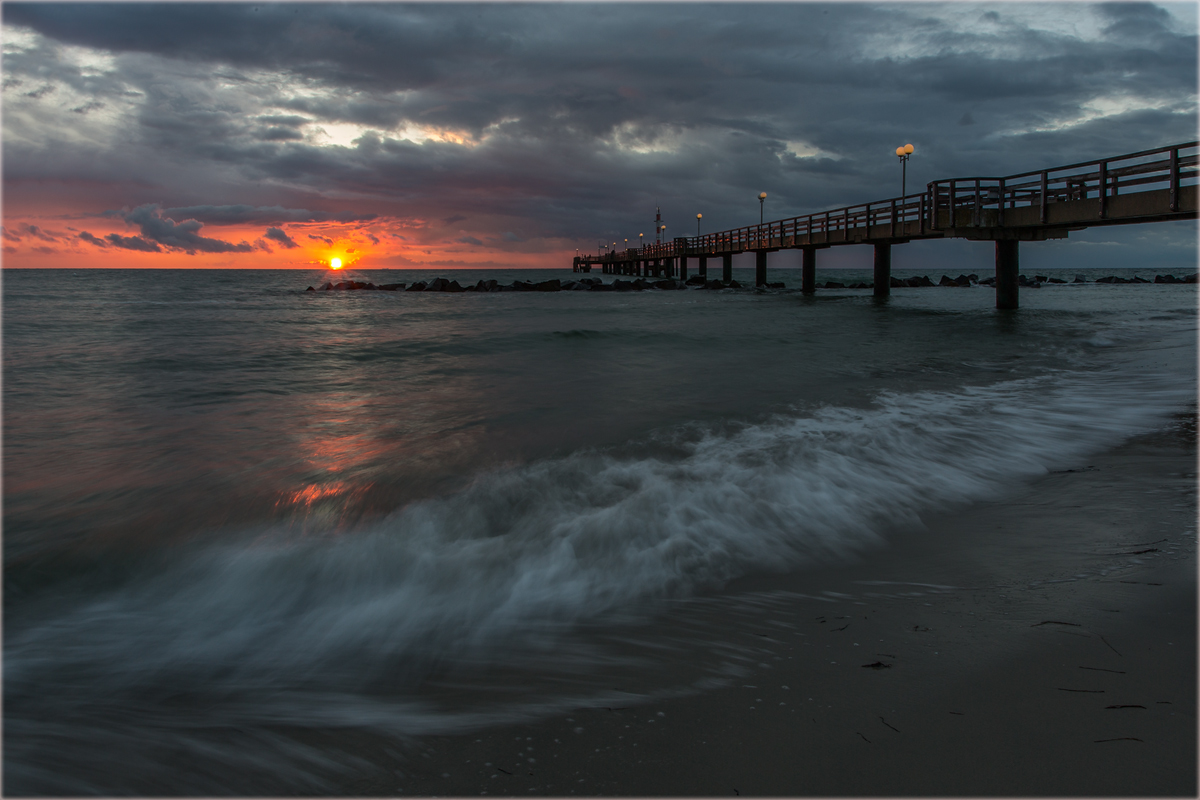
(1147, 186)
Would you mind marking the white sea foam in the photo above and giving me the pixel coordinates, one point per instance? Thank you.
(278, 631)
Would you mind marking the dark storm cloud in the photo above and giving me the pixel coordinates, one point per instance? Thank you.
(178, 236)
(87, 237)
(579, 119)
(277, 235)
(132, 243)
(244, 214)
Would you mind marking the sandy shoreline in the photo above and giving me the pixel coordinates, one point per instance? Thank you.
(1025, 646)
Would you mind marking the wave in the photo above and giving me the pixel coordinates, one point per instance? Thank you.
(343, 630)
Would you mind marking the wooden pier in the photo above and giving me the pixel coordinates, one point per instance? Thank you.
(1149, 186)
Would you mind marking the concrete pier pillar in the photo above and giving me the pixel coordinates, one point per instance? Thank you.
(683, 268)
(883, 270)
(702, 267)
(808, 270)
(1007, 268)
(726, 268)
(668, 267)
(760, 268)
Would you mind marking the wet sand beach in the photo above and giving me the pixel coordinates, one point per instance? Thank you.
(1042, 643)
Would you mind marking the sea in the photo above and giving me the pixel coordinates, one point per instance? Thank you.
(237, 513)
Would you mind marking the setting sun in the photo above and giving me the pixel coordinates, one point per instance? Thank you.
(335, 263)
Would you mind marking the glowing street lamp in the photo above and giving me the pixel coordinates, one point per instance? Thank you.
(761, 197)
(903, 153)
(698, 217)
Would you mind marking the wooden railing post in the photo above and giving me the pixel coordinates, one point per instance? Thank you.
(1174, 178)
(953, 192)
(1000, 204)
(1045, 188)
(1103, 189)
(893, 228)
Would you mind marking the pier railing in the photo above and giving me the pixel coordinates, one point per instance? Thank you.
(1104, 191)
(989, 201)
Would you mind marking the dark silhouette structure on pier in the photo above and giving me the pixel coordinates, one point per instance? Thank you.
(1149, 186)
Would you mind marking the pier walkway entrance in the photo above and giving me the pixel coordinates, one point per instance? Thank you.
(1149, 186)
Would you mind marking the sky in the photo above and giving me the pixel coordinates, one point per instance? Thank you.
(459, 135)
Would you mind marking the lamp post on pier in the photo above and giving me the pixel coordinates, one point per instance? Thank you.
(698, 216)
(903, 153)
(640, 243)
(761, 197)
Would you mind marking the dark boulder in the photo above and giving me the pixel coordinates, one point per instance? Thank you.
(669, 284)
(452, 286)
(861, 286)
(896, 283)
(964, 280)
(601, 286)
(640, 285)
(522, 286)
(696, 280)
(1079, 279)
(1166, 279)
(622, 286)
(1192, 278)
(437, 285)
(734, 285)
(714, 284)
(833, 285)
(391, 287)
(327, 287)
(947, 281)
(1055, 280)
(1041, 278)
(777, 285)
(554, 285)
(419, 286)
(310, 289)
(1136, 279)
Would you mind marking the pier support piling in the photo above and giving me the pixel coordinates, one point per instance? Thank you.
(702, 267)
(883, 270)
(1007, 267)
(808, 270)
(727, 268)
(683, 268)
(760, 267)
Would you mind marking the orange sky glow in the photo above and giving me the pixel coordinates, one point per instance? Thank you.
(46, 242)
